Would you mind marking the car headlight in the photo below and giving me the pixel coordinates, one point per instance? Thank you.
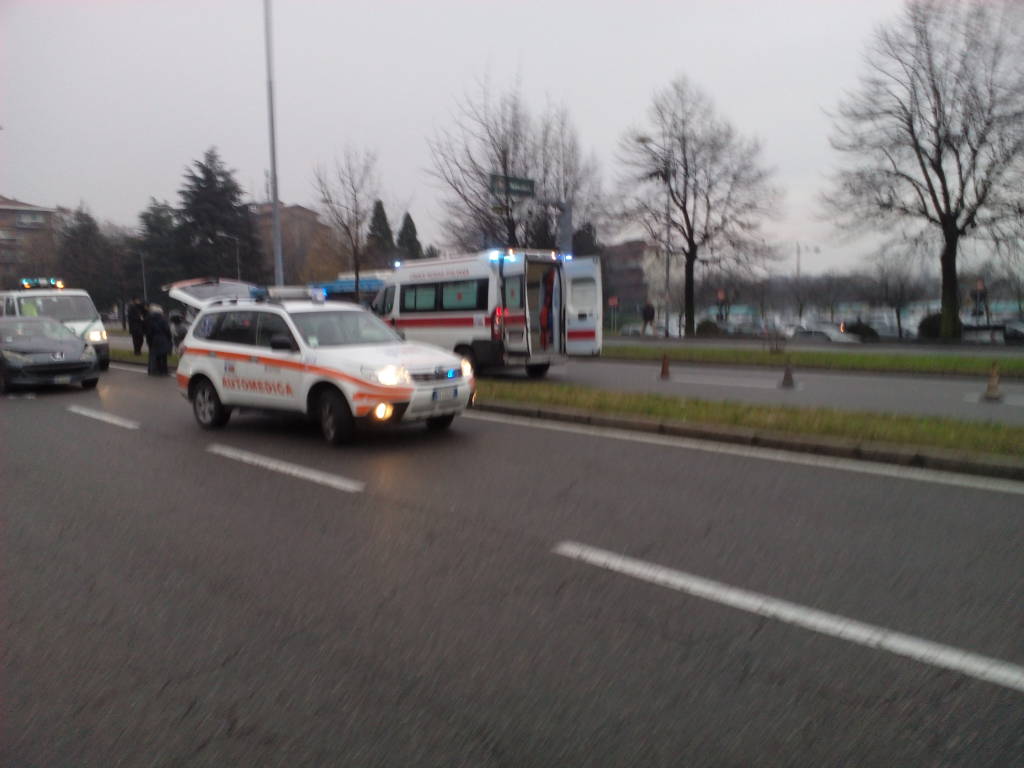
(97, 335)
(389, 375)
(14, 357)
(467, 368)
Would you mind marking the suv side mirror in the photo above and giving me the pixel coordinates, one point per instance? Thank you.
(282, 341)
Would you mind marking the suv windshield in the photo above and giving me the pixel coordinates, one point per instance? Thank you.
(63, 307)
(342, 328)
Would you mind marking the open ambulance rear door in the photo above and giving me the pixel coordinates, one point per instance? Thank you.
(584, 316)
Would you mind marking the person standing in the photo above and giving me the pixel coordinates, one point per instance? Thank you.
(158, 338)
(648, 318)
(136, 323)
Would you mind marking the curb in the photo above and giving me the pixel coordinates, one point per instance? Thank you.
(802, 368)
(908, 456)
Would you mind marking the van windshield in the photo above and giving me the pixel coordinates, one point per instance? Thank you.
(63, 307)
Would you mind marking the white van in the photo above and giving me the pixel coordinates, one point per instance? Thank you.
(47, 297)
(498, 308)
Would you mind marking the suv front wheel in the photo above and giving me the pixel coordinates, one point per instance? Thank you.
(207, 407)
(335, 417)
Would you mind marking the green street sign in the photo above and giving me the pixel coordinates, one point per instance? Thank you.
(511, 186)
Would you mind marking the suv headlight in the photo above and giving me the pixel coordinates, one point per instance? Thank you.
(467, 368)
(389, 375)
(97, 335)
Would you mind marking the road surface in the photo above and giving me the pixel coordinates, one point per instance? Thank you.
(505, 594)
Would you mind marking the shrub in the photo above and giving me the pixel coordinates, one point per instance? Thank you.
(708, 328)
(930, 327)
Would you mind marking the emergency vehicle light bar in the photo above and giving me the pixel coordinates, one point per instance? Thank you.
(41, 282)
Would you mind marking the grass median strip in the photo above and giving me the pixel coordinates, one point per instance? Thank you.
(866, 361)
(918, 431)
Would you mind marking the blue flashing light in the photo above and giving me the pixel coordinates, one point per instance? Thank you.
(511, 257)
(451, 373)
(567, 257)
(494, 255)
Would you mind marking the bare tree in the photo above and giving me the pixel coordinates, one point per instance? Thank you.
(718, 192)
(935, 134)
(498, 135)
(347, 193)
(896, 282)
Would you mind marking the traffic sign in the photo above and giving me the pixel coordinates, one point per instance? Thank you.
(613, 301)
(511, 186)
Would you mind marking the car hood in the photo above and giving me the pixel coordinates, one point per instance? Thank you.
(413, 356)
(71, 349)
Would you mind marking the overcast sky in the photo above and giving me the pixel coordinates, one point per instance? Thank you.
(104, 102)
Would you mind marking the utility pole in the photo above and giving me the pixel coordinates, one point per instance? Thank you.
(276, 220)
(142, 262)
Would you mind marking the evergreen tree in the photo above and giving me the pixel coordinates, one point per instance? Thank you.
(432, 252)
(380, 242)
(81, 252)
(408, 242)
(158, 245)
(217, 236)
(584, 241)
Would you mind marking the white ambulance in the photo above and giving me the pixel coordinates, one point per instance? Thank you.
(333, 361)
(497, 308)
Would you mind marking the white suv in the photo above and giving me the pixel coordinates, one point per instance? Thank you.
(335, 362)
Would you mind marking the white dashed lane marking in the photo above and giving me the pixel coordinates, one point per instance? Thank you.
(103, 416)
(287, 468)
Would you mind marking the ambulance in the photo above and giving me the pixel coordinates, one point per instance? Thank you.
(287, 349)
(47, 297)
(499, 308)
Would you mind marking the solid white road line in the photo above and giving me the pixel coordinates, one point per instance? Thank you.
(896, 471)
(287, 468)
(109, 418)
(722, 382)
(971, 664)
(130, 368)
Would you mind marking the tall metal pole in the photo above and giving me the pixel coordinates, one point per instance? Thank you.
(276, 220)
(668, 231)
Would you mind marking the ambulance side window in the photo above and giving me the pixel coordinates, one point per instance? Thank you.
(389, 299)
(236, 328)
(271, 325)
(464, 294)
(204, 329)
(514, 292)
(419, 298)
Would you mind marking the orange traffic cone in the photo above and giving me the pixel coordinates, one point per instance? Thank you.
(992, 393)
(664, 366)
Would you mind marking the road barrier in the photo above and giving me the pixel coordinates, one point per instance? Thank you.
(787, 378)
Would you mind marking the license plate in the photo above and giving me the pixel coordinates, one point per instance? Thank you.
(61, 379)
(449, 393)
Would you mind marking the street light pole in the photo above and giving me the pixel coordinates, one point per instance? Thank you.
(276, 217)
(668, 231)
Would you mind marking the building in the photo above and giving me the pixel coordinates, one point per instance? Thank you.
(622, 267)
(305, 243)
(28, 241)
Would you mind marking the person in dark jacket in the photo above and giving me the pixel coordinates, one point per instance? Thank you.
(648, 318)
(136, 323)
(158, 338)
